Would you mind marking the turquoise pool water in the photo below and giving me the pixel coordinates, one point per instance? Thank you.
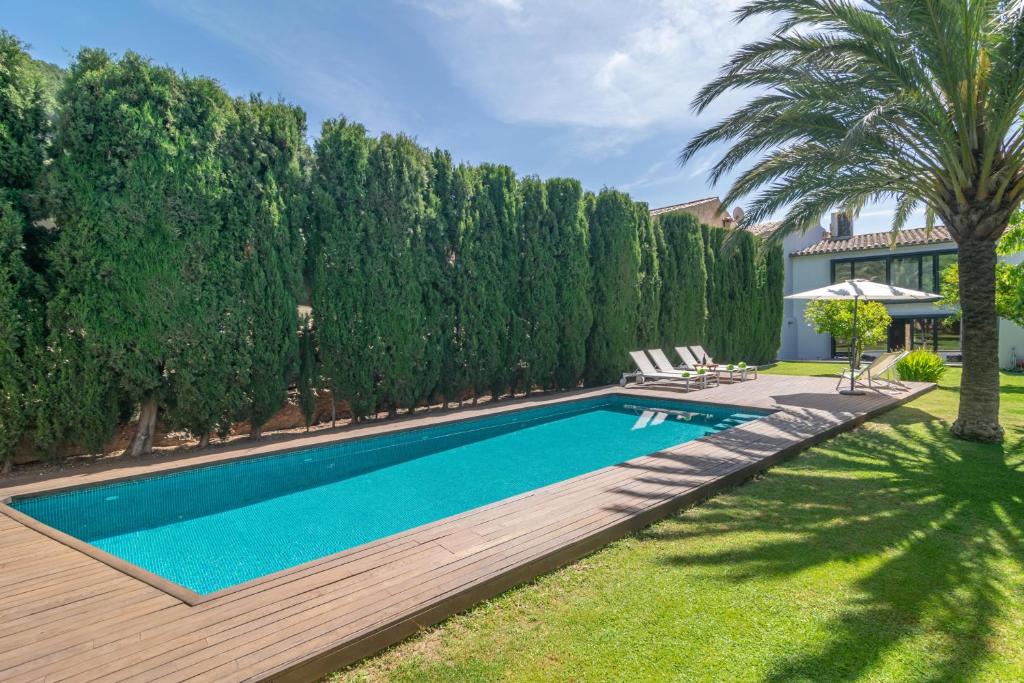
(214, 527)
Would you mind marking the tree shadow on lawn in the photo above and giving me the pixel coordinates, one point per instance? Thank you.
(942, 517)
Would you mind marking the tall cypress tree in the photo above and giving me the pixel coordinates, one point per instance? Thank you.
(204, 354)
(683, 312)
(455, 188)
(537, 305)
(338, 268)
(266, 217)
(768, 299)
(23, 129)
(570, 245)
(397, 195)
(615, 264)
(20, 330)
(489, 284)
(652, 244)
(132, 175)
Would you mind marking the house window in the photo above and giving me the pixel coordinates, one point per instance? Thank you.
(914, 271)
(870, 269)
(906, 272)
(842, 270)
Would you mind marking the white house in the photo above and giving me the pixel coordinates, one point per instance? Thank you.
(820, 257)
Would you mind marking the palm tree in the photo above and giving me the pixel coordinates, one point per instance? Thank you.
(917, 101)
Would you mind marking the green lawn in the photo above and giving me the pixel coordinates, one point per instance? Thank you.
(892, 552)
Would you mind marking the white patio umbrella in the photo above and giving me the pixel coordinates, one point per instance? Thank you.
(863, 290)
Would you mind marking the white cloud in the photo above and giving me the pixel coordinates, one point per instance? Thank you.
(602, 64)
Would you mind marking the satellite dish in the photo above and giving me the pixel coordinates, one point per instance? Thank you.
(737, 215)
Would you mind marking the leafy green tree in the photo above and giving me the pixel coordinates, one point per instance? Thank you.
(914, 101)
(771, 272)
(490, 258)
(267, 211)
(683, 314)
(454, 188)
(20, 332)
(23, 130)
(570, 246)
(135, 181)
(615, 265)
(398, 198)
(1009, 277)
(337, 267)
(652, 245)
(732, 294)
(835, 317)
(537, 305)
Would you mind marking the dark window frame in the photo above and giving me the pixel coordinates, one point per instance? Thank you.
(888, 263)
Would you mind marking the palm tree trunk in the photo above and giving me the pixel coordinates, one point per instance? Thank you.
(142, 439)
(978, 418)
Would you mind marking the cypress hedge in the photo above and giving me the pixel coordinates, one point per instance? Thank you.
(23, 130)
(190, 225)
(537, 305)
(339, 268)
(570, 244)
(684, 306)
(615, 267)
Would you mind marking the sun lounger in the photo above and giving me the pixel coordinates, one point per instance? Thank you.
(704, 358)
(875, 372)
(690, 362)
(663, 364)
(645, 370)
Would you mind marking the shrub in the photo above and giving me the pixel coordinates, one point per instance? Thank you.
(835, 317)
(921, 365)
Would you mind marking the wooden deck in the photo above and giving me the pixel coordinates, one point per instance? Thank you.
(66, 615)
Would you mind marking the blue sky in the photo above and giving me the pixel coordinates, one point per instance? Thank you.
(598, 89)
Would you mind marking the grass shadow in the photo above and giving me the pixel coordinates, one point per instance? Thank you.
(942, 516)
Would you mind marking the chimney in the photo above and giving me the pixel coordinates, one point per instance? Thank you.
(842, 225)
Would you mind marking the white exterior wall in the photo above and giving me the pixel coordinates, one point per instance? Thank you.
(1011, 335)
(791, 318)
(813, 271)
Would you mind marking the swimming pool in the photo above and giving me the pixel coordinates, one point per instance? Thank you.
(210, 528)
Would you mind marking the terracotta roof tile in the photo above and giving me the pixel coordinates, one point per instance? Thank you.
(765, 230)
(684, 205)
(878, 240)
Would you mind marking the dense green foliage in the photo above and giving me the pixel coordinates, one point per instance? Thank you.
(23, 130)
(537, 304)
(684, 305)
(744, 292)
(615, 262)
(836, 317)
(1009, 276)
(187, 226)
(921, 365)
(574, 312)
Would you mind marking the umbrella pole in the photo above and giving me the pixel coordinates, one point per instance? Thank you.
(853, 391)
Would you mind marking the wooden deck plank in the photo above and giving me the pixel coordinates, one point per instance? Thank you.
(65, 615)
